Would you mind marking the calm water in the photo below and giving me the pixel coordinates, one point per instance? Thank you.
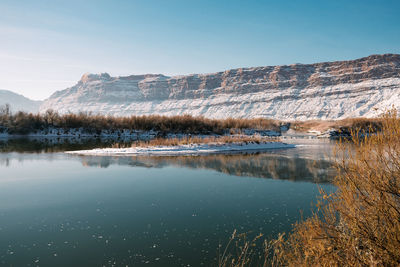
(65, 210)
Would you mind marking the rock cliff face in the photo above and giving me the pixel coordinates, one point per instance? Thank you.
(329, 90)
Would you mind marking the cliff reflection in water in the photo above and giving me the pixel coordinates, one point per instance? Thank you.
(260, 165)
(309, 161)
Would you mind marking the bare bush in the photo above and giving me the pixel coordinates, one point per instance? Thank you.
(22, 123)
(358, 224)
(189, 140)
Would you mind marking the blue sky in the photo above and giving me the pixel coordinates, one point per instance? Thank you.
(47, 45)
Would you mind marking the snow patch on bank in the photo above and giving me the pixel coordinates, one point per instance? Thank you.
(192, 149)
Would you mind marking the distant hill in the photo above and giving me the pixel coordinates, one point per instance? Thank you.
(18, 102)
(328, 90)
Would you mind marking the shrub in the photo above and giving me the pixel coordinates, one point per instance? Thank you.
(213, 140)
(23, 123)
(358, 224)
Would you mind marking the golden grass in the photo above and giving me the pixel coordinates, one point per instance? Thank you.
(202, 140)
(349, 124)
(357, 225)
(23, 123)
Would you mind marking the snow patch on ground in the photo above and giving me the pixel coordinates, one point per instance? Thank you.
(193, 149)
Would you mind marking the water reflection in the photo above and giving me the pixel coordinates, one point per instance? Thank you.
(260, 165)
(58, 209)
(55, 144)
(309, 161)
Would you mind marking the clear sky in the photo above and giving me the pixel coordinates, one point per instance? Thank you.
(47, 45)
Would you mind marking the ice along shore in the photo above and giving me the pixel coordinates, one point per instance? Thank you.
(190, 149)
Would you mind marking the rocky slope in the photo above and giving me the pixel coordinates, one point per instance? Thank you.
(329, 90)
(18, 102)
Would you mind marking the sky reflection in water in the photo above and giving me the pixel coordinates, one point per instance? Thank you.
(64, 210)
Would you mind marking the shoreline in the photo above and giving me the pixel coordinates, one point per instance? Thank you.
(185, 150)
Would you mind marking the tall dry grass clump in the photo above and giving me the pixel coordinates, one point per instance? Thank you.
(190, 140)
(358, 224)
(25, 123)
(370, 125)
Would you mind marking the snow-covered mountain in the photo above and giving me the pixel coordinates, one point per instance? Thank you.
(329, 90)
(18, 102)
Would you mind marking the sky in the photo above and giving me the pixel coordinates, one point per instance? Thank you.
(47, 46)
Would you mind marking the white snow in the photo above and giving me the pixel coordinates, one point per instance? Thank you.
(331, 90)
(364, 99)
(18, 102)
(52, 132)
(194, 149)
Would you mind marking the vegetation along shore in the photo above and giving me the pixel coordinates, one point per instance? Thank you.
(357, 225)
(52, 124)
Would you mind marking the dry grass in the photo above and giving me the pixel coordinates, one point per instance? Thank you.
(359, 224)
(24, 123)
(201, 140)
(350, 124)
(241, 251)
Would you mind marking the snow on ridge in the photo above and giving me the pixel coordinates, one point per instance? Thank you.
(309, 104)
(18, 102)
(332, 90)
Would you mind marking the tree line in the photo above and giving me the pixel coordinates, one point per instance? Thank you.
(24, 123)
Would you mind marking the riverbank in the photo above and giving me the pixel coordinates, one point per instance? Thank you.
(190, 149)
(52, 124)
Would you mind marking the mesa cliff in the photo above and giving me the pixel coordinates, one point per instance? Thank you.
(330, 90)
